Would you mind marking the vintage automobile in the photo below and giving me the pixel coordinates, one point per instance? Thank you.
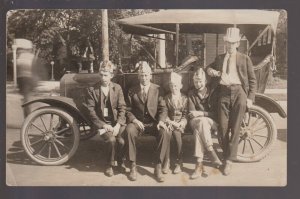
(50, 134)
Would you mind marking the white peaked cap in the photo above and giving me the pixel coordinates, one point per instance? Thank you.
(232, 35)
(23, 43)
(175, 78)
(144, 67)
(199, 74)
(107, 66)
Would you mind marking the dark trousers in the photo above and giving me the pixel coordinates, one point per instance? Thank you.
(26, 86)
(177, 135)
(232, 107)
(114, 146)
(162, 138)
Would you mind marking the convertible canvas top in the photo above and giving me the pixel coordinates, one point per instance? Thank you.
(200, 21)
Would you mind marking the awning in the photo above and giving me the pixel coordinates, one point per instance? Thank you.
(200, 21)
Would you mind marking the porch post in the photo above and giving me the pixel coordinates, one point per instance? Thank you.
(162, 51)
(177, 43)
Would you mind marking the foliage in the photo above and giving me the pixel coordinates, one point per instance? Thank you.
(51, 29)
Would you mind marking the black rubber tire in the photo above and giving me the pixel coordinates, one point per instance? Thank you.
(61, 139)
(269, 138)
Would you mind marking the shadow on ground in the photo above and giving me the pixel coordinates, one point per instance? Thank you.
(282, 135)
(91, 155)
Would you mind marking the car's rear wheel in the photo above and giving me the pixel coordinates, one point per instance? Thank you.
(258, 135)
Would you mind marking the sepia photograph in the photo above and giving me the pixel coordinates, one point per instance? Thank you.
(146, 97)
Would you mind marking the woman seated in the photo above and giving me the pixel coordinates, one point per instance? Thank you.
(202, 122)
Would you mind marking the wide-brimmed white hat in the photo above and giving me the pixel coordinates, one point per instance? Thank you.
(232, 35)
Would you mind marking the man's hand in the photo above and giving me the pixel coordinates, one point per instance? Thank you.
(249, 103)
(108, 128)
(139, 124)
(194, 114)
(161, 124)
(116, 129)
(213, 73)
(176, 124)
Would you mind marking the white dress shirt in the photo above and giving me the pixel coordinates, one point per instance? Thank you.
(232, 77)
(105, 90)
(145, 88)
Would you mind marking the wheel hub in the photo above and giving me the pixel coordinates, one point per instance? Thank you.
(247, 133)
(49, 136)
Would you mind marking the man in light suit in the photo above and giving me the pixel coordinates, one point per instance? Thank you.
(147, 114)
(233, 79)
(105, 106)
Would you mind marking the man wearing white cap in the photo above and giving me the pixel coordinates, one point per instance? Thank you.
(105, 107)
(147, 113)
(234, 80)
(177, 109)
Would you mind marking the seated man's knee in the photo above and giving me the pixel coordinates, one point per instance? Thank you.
(111, 140)
(130, 129)
(120, 141)
(164, 133)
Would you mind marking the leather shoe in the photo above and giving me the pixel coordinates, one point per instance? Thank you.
(121, 167)
(177, 168)
(158, 173)
(109, 171)
(199, 171)
(166, 167)
(133, 172)
(227, 168)
(214, 158)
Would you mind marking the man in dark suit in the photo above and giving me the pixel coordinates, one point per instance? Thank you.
(147, 113)
(106, 108)
(234, 80)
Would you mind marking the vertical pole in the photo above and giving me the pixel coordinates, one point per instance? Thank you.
(217, 44)
(162, 51)
(14, 47)
(52, 71)
(105, 46)
(204, 50)
(177, 43)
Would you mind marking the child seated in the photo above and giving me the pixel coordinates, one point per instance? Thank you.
(177, 108)
(202, 122)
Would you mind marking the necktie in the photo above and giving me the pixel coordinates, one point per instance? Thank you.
(229, 61)
(228, 65)
(144, 94)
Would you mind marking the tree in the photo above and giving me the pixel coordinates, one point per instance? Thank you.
(51, 29)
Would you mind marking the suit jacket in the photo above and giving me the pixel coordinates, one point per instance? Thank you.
(177, 112)
(94, 105)
(155, 104)
(245, 72)
(207, 104)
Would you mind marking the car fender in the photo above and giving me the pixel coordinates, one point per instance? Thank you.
(64, 103)
(269, 104)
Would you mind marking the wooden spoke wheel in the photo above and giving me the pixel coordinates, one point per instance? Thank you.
(257, 136)
(50, 136)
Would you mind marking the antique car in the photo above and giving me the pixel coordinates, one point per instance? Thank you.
(50, 134)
